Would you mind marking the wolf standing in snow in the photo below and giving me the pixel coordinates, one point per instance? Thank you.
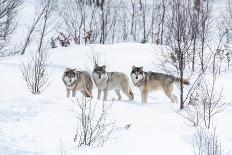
(77, 81)
(149, 81)
(106, 81)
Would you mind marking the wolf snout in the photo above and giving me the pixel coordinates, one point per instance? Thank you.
(136, 77)
(99, 76)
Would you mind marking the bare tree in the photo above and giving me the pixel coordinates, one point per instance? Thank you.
(179, 39)
(105, 20)
(37, 17)
(228, 21)
(93, 126)
(160, 18)
(205, 27)
(147, 22)
(44, 9)
(204, 103)
(49, 6)
(124, 25)
(195, 21)
(78, 17)
(115, 13)
(72, 18)
(133, 16)
(35, 72)
(8, 12)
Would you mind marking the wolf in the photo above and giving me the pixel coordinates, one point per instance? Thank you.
(77, 81)
(106, 81)
(149, 81)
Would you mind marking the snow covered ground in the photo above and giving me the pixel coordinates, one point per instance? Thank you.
(45, 124)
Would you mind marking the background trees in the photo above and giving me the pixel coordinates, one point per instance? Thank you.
(8, 13)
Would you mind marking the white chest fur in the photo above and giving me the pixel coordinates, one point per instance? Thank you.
(136, 78)
(101, 83)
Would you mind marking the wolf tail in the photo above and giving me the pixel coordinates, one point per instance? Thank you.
(131, 94)
(184, 81)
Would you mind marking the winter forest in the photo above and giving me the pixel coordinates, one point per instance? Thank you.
(110, 77)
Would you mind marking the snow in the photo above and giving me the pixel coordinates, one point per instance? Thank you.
(45, 124)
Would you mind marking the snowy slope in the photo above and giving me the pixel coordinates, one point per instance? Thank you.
(45, 124)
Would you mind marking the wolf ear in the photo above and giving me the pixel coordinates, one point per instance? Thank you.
(104, 67)
(77, 74)
(133, 67)
(75, 71)
(96, 65)
(67, 69)
(141, 68)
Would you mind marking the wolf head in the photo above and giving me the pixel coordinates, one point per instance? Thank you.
(99, 72)
(70, 76)
(137, 74)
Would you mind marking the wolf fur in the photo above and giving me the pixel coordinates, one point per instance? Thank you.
(77, 81)
(106, 81)
(150, 81)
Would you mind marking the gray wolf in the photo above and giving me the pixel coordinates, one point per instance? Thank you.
(150, 81)
(106, 81)
(77, 81)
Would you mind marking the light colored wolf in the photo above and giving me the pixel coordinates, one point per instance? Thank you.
(106, 81)
(149, 81)
(77, 81)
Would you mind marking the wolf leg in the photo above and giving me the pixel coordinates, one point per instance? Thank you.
(74, 92)
(128, 93)
(175, 98)
(98, 94)
(105, 95)
(131, 94)
(67, 92)
(117, 91)
(168, 92)
(145, 96)
(90, 92)
(142, 95)
(85, 93)
(126, 90)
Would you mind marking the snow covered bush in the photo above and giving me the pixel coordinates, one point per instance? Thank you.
(204, 103)
(53, 43)
(64, 39)
(93, 125)
(35, 72)
(206, 143)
